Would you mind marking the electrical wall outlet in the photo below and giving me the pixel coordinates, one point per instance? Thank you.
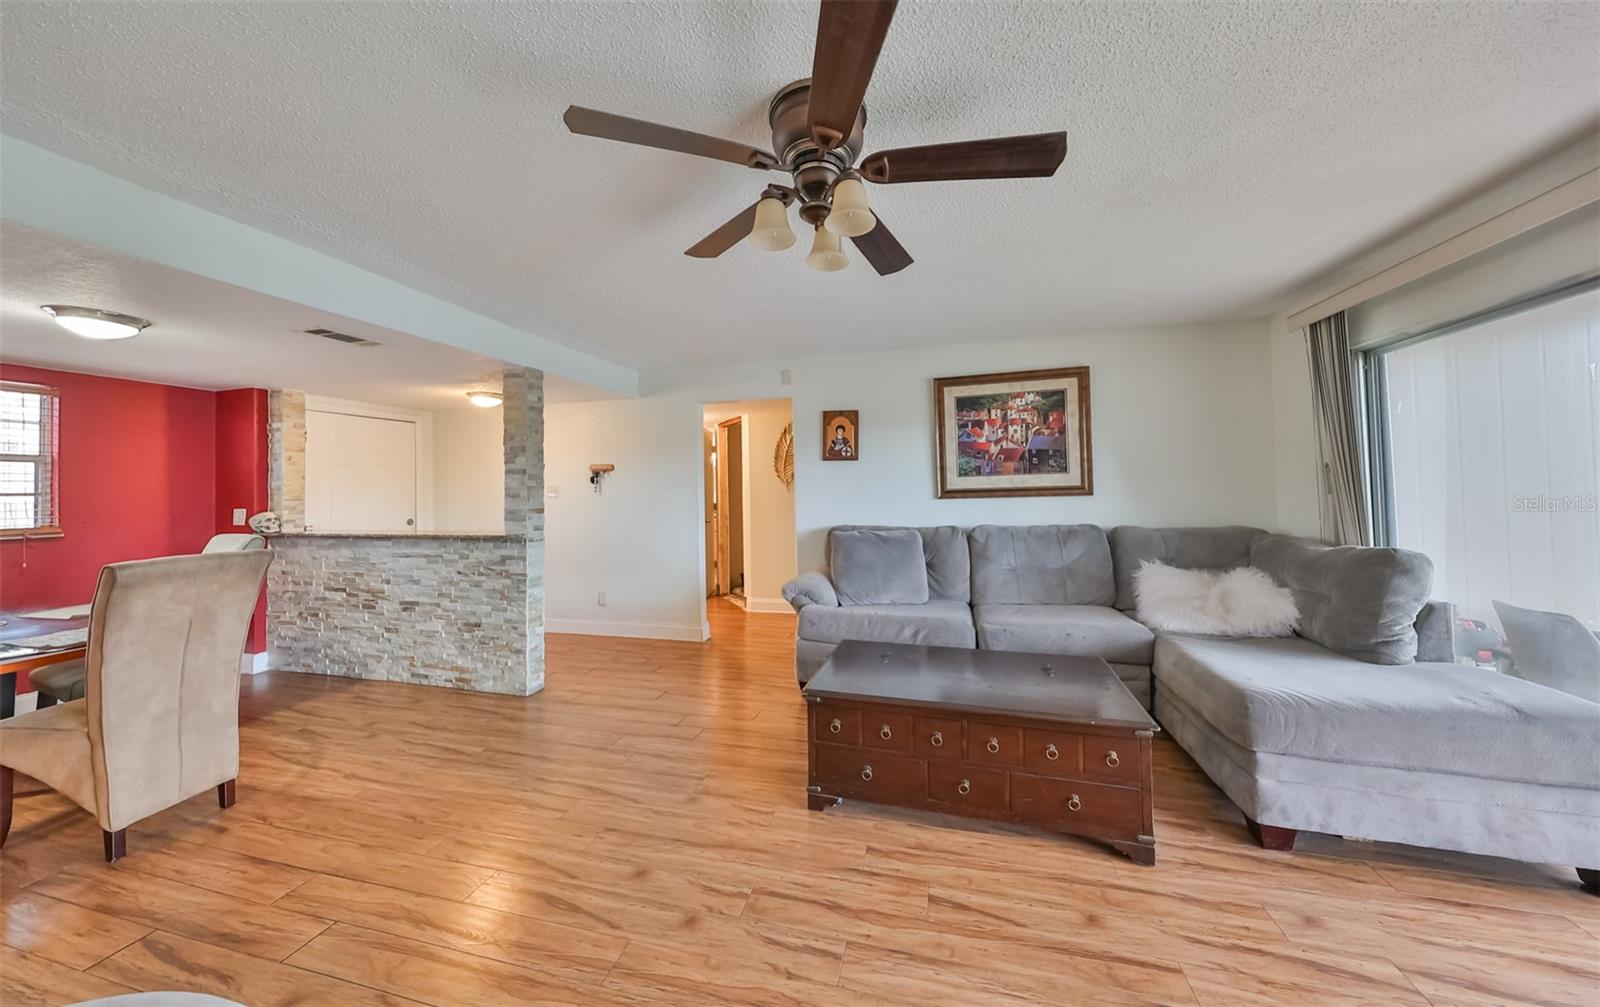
(238, 517)
(600, 599)
(552, 491)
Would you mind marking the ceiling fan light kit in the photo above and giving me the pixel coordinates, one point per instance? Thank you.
(827, 256)
(771, 231)
(818, 126)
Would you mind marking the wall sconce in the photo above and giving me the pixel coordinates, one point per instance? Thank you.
(596, 472)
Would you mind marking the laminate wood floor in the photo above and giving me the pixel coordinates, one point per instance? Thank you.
(638, 833)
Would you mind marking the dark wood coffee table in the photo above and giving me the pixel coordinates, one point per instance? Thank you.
(1049, 741)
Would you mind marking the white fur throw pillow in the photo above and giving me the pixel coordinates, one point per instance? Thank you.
(1241, 602)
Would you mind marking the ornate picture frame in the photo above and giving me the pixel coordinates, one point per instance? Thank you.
(1012, 434)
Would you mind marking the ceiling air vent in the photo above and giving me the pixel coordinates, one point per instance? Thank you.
(339, 337)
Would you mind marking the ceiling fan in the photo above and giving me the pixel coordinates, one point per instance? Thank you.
(817, 126)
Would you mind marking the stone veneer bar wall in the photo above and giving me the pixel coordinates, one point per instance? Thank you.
(458, 610)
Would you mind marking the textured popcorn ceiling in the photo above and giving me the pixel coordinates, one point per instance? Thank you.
(1220, 154)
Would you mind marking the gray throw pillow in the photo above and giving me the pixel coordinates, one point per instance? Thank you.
(878, 566)
(1358, 601)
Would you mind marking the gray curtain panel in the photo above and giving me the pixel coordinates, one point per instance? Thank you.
(1333, 410)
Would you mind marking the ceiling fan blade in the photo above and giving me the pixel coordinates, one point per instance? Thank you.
(589, 122)
(726, 236)
(850, 35)
(1035, 156)
(883, 250)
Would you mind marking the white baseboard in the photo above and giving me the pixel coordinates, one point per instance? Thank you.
(253, 664)
(768, 606)
(642, 630)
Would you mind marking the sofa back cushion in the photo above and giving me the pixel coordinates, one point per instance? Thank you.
(944, 550)
(1225, 548)
(1059, 564)
(1358, 601)
(878, 566)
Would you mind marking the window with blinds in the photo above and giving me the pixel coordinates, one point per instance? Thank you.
(29, 502)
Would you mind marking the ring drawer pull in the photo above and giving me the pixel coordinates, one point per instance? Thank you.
(866, 774)
(993, 745)
(1051, 753)
(1112, 760)
(886, 734)
(937, 741)
(836, 727)
(964, 788)
(1073, 803)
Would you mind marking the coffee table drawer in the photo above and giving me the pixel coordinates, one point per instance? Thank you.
(869, 775)
(888, 731)
(994, 745)
(1052, 752)
(837, 726)
(937, 738)
(966, 787)
(1111, 759)
(1077, 803)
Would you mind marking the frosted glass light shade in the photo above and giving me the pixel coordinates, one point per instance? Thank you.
(850, 217)
(92, 323)
(771, 229)
(485, 400)
(826, 255)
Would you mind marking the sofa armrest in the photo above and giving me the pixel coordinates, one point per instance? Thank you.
(1436, 632)
(810, 589)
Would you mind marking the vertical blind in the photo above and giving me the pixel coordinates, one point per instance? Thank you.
(1494, 436)
(29, 421)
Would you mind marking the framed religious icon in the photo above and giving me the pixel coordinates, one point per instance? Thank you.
(1023, 433)
(841, 436)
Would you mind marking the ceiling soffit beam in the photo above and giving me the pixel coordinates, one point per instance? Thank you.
(42, 189)
(1541, 209)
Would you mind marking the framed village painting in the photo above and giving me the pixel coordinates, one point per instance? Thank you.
(841, 435)
(1025, 433)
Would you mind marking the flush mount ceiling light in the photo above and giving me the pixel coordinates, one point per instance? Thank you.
(484, 400)
(92, 323)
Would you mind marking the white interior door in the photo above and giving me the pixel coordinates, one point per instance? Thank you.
(361, 473)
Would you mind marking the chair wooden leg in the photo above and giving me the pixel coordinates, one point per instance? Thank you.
(225, 796)
(1271, 837)
(45, 701)
(116, 844)
(5, 803)
(1589, 876)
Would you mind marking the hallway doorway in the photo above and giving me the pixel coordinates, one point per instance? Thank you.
(749, 505)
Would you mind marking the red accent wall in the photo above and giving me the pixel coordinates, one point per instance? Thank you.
(144, 470)
(241, 453)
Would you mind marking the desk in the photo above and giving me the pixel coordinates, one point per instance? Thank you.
(27, 643)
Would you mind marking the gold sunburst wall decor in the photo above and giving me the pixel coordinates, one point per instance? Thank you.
(783, 456)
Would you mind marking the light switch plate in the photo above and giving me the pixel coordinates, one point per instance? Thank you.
(238, 517)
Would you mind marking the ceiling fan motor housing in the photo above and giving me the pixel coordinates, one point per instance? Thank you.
(814, 169)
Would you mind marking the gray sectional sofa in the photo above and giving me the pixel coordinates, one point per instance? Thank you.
(1360, 725)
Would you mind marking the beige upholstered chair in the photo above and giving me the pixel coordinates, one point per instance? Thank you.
(160, 719)
(64, 682)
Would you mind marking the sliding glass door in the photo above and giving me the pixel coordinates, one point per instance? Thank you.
(1484, 440)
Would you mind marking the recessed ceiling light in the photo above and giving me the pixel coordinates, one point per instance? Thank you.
(484, 400)
(92, 323)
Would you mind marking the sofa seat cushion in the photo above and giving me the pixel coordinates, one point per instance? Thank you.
(1295, 697)
(1077, 630)
(933, 624)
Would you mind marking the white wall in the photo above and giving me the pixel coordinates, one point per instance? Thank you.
(641, 540)
(1180, 423)
(469, 475)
